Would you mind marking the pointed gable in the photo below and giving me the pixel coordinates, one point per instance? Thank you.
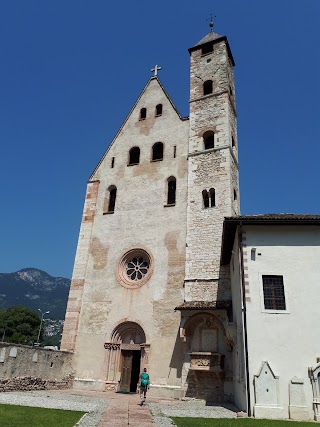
(144, 119)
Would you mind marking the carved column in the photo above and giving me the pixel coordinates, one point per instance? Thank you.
(145, 351)
(112, 359)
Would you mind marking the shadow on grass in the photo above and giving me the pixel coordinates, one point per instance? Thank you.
(26, 416)
(237, 422)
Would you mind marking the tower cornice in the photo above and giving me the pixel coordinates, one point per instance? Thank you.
(219, 39)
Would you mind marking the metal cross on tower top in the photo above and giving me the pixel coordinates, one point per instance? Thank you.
(155, 70)
(211, 22)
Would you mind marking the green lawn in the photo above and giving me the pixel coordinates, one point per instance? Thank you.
(25, 416)
(237, 422)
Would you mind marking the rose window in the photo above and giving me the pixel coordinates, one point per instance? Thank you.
(134, 268)
(137, 268)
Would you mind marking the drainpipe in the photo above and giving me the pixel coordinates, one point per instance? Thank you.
(244, 315)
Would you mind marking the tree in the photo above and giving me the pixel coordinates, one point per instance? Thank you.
(19, 325)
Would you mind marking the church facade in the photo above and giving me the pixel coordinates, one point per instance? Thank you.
(159, 279)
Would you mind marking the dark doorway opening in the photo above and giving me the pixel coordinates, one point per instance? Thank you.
(135, 370)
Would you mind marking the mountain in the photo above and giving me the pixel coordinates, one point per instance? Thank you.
(35, 289)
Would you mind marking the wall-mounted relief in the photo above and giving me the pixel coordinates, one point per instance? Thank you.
(267, 395)
(314, 375)
(298, 409)
(2, 355)
(13, 352)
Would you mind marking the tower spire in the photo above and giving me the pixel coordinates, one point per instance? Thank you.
(211, 25)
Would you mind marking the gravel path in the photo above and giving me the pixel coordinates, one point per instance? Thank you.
(194, 409)
(57, 400)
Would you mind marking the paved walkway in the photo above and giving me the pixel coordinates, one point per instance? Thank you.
(124, 410)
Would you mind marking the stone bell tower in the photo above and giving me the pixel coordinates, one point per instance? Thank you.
(213, 189)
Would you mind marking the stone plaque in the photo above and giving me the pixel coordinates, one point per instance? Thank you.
(13, 352)
(209, 339)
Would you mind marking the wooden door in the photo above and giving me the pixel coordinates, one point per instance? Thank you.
(126, 356)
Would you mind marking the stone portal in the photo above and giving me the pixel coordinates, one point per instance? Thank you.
(126, 356)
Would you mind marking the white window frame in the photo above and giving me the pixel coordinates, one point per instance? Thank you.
(286, 296)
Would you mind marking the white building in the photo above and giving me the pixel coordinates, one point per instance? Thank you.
(275, 280)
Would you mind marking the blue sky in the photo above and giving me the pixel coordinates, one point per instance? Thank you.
(71, 70)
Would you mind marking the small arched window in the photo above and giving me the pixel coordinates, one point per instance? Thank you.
(134, 156)
(212, 197)
(112, 198)
(159, 110)
(157, 151)
(205, 197)
(171, 199)
(207, 48)
(143, 113)
(208, 139)
(207, 87)
(209, 198)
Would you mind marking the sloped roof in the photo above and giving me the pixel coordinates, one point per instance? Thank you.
(204, 305)
(213, 37)
(231, 223)
(209, 38)
(274, 217)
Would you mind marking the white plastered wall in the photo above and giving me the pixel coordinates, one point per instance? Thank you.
(288, 340)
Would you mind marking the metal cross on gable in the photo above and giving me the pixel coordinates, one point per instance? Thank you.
(155, 70)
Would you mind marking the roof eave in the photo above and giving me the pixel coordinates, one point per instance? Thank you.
(231, 224)
(218, 40)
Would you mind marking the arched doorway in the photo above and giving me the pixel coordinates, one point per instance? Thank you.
(128, 354)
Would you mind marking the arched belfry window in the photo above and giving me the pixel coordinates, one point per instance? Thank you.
(209, 198)
(207, 87)
(112, 198)
(134, 156)
(205, 197)
(208, 139)
(207, 48)
(212, 197)
(159, 110)
(143, 113)
(171, 198)
(157, 151)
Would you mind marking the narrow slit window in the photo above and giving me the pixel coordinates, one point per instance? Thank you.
(233, 142)
(174, 151)
(208, 139)
(171, 200)
(212, 197)
(112, 199)
(112, 163)
(207, 87)
(143, 113)
(157, 151)
(273, 293)
(134, 156)
(159, 110)
(234, 195)
(205, 197)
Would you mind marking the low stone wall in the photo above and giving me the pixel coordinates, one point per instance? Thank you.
(34, 368)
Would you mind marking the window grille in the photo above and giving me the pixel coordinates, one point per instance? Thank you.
(273, 293)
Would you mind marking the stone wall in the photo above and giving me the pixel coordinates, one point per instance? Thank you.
(212, 168)
(34, 368)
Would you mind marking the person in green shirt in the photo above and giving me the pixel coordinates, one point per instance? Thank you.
(144, 385)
